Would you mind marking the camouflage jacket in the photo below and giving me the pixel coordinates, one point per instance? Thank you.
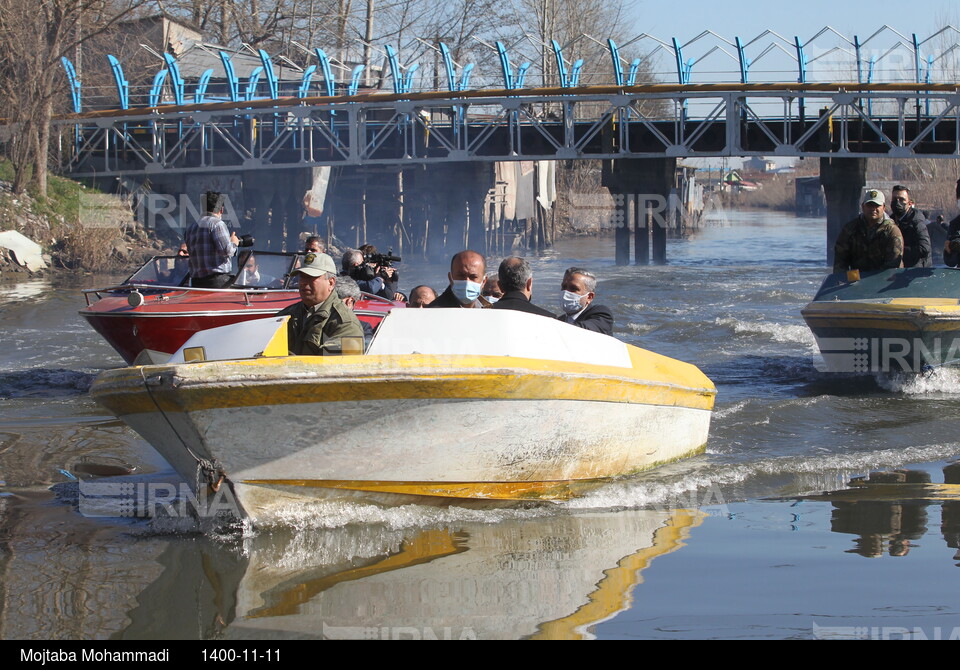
(864, 249)
(317, 330)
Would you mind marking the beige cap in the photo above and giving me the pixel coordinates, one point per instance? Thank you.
(315, 265)
(874, 196)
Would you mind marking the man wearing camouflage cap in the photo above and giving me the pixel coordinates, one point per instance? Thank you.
(320, 324)
(871, 241)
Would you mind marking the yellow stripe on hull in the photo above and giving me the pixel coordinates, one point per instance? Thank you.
(516, 491)
(301, 380)
(505, 491)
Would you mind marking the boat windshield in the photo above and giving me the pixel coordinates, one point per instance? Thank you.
(893, 283)
(263, 269)
(162, 271)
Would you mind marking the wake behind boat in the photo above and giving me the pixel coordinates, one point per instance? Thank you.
(447, 405)
(153, 312)
(899, 320)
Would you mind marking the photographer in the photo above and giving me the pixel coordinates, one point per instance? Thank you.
(211, 246)
(372, 272)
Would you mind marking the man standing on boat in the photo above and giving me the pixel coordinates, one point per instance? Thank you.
(516, 281)
(576, 298)
(468, 274)
(871, 241)
(320, 324)
(913, 226)
(211, 245)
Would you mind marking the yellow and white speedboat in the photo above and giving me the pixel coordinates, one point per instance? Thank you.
(899, 320)
(446, 404)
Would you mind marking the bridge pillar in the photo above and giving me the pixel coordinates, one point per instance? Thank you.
(643, 186)
(444, 207)
(843, 180)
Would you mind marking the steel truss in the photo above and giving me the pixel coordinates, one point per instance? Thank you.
(818, 120)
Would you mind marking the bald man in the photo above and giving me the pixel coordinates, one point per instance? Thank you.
(467, 276)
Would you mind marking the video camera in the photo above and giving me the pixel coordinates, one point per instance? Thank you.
(382, 260)
(245, 241)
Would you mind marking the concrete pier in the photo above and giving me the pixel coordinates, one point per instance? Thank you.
(843, 180)
(641, 189)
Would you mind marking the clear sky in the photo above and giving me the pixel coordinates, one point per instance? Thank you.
(685, 19)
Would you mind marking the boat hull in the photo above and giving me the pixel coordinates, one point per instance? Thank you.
(871, 337)
(153, 331)
(900, 320)
(426, 428)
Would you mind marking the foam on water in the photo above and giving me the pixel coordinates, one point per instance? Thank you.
(937, 381)
(778, 332)
(718, 484)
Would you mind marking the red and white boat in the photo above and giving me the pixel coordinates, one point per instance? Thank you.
(151, 314)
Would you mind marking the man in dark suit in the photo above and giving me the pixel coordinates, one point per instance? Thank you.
(579, 289)
(516, 282)
(467, 276)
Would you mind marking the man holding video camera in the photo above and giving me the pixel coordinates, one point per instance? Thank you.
(372, 271)
(211, 245)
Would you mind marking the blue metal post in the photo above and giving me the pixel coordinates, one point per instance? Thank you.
(74, 83)
(681, 74)
(74, 97)
(744, 61)
(505, 66)
(521, 74)
(157, 87)
(252, 83)
(327, 72)
(408, 81)
(448, 65)
(233, 86)
(634, 68)
(615, 55)
(561, 66)
(123, 86)
(355, 80)
(305, 81)
(801, 73)
(856, 53)
(465, 76)
(176, 82)
(201, 91)
(271, 75)
(394, 69)
(575, 72)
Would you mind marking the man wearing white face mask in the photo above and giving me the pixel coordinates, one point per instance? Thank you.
(576, 298)
(467, 277)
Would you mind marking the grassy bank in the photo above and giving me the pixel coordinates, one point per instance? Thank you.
(80, 228)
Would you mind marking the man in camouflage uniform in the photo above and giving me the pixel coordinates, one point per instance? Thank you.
(320, 322)
(871, 241)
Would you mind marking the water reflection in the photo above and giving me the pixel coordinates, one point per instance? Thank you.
(888, 511)
(524, 578)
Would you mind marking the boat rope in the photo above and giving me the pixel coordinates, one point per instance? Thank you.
(212, 471)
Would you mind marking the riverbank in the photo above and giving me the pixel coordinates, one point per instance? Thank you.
(78, 229)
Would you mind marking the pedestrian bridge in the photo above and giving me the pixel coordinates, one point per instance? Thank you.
(898, 101)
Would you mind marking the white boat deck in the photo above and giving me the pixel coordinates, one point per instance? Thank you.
(439, 332)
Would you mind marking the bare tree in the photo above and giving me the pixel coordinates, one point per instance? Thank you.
(34, 36)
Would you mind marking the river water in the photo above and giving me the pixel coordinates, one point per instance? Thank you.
(725, 545)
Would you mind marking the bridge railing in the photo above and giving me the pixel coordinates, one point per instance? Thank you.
(894, 120)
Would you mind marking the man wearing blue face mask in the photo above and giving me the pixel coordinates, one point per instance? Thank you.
(576, 298)
(467, 277)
